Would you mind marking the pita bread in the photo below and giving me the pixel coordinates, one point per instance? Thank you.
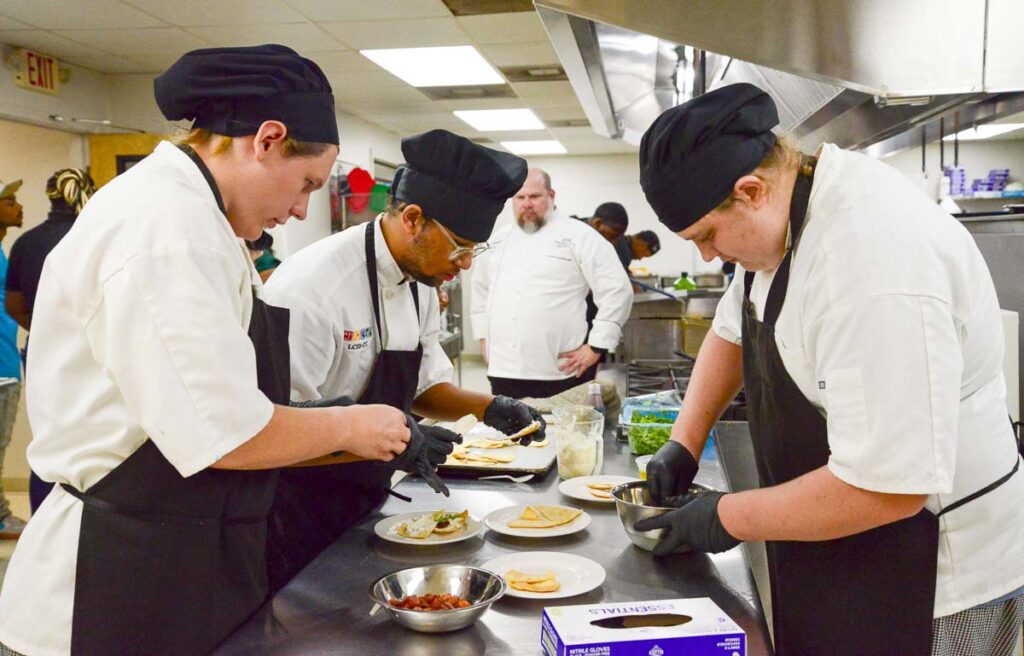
(532, 582)
(544, 517)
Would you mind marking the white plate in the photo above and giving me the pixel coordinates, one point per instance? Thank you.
(387, 528)
(576, 574)
(577, 487)
(498, 520)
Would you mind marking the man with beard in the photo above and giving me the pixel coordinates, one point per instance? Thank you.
(365, 324)
(529, 298)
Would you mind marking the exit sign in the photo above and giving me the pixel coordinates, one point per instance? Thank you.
(36, 71)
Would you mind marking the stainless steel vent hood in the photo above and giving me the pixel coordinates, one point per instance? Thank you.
(852, 72)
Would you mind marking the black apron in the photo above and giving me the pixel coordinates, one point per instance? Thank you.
(315, 505)
(173, 565)
(870, 593)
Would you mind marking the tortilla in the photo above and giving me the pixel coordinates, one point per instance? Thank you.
(544, 517)
(488, 444)
(420, 528)
(532, 582)
(488, 458)
(450, 522)
(604, 487)
(464, 425)
(600, 494)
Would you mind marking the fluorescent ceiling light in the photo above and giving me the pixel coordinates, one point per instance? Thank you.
(447, 66)
(550, 147)
(492, 120)
(984, 131)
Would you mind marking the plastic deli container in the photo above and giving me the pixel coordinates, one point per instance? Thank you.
(647, 420)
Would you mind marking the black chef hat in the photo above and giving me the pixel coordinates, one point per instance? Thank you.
(231, 91)
(614, 214)
(692, 154)
(461, 184)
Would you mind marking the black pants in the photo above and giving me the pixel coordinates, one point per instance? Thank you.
(519, 388)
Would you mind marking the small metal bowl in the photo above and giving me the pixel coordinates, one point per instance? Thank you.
(633, 502)
(478, 586)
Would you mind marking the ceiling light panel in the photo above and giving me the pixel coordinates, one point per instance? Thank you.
(495, 120)
(446, 66)
(984, 131)
(550, 147)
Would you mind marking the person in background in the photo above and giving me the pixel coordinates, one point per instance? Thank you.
(891, 506)
(529, 298)
(11, 216)
(636, 247)
(68, 191)
(262, 253)
(609, 219)
(158, 378)
(364, 325)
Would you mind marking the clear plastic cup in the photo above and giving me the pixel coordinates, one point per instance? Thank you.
(579, 443)
(641, 465)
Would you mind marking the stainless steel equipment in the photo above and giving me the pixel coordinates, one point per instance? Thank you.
(851, 72)
(477, 586)
(649, 376)
(633, 503)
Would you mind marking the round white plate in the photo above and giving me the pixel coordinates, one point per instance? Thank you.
(577, 487)
(387, 528)
(576, 574)
(498, 520)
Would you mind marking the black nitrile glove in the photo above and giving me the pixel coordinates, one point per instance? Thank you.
(670, 472)
(429, 446)
(336, 402)
(694, 523)
(511, 416)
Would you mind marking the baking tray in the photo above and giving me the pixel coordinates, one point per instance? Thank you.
(528, 459)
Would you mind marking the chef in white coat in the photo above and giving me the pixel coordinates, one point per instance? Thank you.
(867, 334)
(529, 297)
(365, 325)
(158, 379)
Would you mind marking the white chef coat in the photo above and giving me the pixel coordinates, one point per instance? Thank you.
(529, 297)
(891, 328)
(139, 330)
(333, 338)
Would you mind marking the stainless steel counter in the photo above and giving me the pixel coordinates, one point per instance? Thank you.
(325, 609)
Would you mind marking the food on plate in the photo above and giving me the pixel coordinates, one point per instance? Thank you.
(532, 582)
(470, 458)
(538, 445)
(533, 427)
(430, 602)
(538, 516)
(488, 444)
(603, 487)
(441, 522)
(600, 494)
(464, 425)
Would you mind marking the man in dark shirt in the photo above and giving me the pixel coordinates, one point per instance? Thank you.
(68, 190)
(636, 247)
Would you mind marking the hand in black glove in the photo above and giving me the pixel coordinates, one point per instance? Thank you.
(511, 416)
(694, 523)
(670, 472)
(429, 446)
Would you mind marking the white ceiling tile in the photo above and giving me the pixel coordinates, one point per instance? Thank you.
(220, 12)
(62, 14)
(404, 107)
(530, 90)
(517, 27)
(519, 135)
(303, 37)
(561, 101)
(483, 103)
(560, 113)
(411, 33)
(156, 63)
(111, 64)
(143, 41)
(343, 62)
(45, 42)
(11, 24)
(358, 10)
(520, 54)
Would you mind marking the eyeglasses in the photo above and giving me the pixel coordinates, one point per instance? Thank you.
(459, 251)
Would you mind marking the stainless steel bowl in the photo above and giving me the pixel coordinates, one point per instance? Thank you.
(478, 586)
(633, 502)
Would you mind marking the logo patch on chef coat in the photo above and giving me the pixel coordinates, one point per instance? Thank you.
(357, 339)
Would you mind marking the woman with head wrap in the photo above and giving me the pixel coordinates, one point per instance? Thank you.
(866, 334)
(68, 191)
(159, 379)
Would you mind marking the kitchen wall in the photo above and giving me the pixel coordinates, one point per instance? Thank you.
(32, 154)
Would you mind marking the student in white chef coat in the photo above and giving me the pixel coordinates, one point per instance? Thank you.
(866, 332)
(365, 324)
(158, 379)
(529, 297)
